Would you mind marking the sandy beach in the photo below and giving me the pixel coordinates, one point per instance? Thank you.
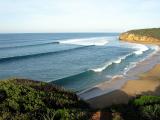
(144, 78)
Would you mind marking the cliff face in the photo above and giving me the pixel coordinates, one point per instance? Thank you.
(131, 37)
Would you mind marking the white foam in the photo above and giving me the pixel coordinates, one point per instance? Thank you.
(100, 69)
(155, 47)
(139, 48)
(132, 65)
(90, 41)
(117, 76)
(117, 61)
(138, 52)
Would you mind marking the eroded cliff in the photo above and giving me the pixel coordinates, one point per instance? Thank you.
(141, 36)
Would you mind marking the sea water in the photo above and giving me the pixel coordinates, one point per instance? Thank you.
(75, 61)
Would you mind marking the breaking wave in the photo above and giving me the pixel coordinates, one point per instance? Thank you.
(86, 42)
(117, 61)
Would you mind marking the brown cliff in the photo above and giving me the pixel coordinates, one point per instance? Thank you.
(139, 38)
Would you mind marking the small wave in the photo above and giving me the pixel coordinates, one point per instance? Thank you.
(86, 42)
(133, 64)
(117, 76)
(141, 49)
(155, 48)
(69, 78)
(40, 54)
(23, 46)
(100, 69)
(117, 61)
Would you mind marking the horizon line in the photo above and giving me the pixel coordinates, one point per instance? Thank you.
(52, 32)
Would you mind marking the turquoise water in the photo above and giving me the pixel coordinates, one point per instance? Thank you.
(74, 60)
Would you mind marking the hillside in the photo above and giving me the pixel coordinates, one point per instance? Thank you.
(148, 36)
(22, 99)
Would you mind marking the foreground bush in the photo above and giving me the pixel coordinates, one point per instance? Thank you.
(27, 100)
(146, 100)
(140, 108)
(151, 112)
(30, 100)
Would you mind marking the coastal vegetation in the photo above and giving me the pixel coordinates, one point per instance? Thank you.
(153, 32)
(150, 36)
(22, 99)
(139, 108)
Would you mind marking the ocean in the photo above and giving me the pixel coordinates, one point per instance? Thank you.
(76, 61)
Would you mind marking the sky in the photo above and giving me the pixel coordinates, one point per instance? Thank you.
(78, 15)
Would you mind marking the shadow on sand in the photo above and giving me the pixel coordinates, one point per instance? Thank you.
(116, 97)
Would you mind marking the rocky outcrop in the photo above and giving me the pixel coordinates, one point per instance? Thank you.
(131, 37)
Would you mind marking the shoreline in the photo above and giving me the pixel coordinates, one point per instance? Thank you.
(118, 82)
(147, 84)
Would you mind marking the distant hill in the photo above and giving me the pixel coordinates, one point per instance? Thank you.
(148, 36)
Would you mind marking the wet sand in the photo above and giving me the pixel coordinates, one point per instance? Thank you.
(144, 78)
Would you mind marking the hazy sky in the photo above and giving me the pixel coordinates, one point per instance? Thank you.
(78, 15)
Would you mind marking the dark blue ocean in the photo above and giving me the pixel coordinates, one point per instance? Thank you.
(74, 60)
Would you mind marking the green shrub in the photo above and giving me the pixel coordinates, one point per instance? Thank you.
(152, 112)
(153, 32)
(50, 115)
(29, 100)
(146, 100)
(140, 108)
(128, 112)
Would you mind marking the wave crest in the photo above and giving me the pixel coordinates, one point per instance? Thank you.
(86, 42)
(40, 54)
(141, 49)
(117, 61)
